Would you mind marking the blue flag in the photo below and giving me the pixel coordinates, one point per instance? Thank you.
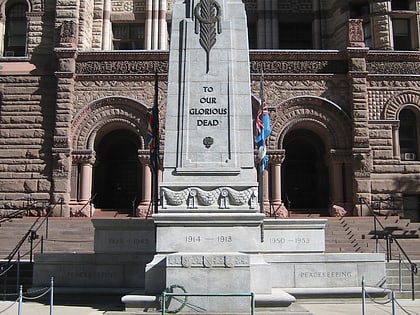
(263, 130)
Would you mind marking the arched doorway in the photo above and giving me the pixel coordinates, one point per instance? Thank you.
(304, 173)
(117, 172)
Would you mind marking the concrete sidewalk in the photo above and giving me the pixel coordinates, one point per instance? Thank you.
(301, 307)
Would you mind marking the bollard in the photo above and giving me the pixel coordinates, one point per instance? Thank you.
(363, 296)
(20, 301)
(52, 296)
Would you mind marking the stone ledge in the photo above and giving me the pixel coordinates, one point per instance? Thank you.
(344, 291)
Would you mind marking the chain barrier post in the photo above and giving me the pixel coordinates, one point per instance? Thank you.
(363, 296)
(413, 272)
(52, 296)
(393, 302)
(163, 302)
(20, 300)
(399, 272)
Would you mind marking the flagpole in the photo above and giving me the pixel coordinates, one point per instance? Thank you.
(261, 171)
(156, 163)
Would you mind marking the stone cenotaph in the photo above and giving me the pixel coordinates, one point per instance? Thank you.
(208, 219)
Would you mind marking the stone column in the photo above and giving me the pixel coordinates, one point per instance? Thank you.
(276, 160)
(148, 25)
(261, 24)
(106, 26)
(274, 25)
(316, 25)
(336, 179)
(163, 29)
(146, 186)
(86, 178)
(396, 140)
(155, 24)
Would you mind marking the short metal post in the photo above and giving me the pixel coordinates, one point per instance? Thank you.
(20, 300)
(363, 296)
(52, 296)
(252, 303)
(393, 302)
(31, 239)
(42, 244)
(46, 226)
(18, 271)
(163, 303)
(413, 272)
(399, 272)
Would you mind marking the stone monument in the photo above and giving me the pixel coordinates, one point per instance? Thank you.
(208, 236)
(209, 213)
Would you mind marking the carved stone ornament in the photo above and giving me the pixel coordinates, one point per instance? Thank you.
(356, 36)
(221, 197)
(207, 21)
(68, 34)
(363, 164)
(208, 142)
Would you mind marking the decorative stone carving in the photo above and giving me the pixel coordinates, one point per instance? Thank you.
(87, 156)
(68, 34)
(355, 33)
(61, 163)
(114, 67)
(207, 22)
(363, 164)
(337, 211)
(222, 197)
(393, 67)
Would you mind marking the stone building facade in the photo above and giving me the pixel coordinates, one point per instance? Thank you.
(341, 79)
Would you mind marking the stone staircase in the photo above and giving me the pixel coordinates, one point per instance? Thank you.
(398, 279)
(357, 234)
(347, 234)
(58, 235)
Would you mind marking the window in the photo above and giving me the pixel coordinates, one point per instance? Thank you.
(295, 35)
(128, 36)
(252, 36)
(401, 28)
(15, 34)
(368, 34)
(358, 10)
(399, 5)
(408, 135)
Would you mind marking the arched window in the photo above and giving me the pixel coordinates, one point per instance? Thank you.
(408, 135)
(16, 28)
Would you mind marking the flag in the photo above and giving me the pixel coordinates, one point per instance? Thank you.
(152, 134)
(263, 130)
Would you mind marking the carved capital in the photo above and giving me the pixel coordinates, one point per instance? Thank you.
(85, 157)
(276, 156)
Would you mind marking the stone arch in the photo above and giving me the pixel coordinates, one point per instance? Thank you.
(324, 117)
(103, 115)
(397, 102)
(4, 3)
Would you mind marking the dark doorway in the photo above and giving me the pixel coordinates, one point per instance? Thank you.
(117, 172)
(304, 173)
